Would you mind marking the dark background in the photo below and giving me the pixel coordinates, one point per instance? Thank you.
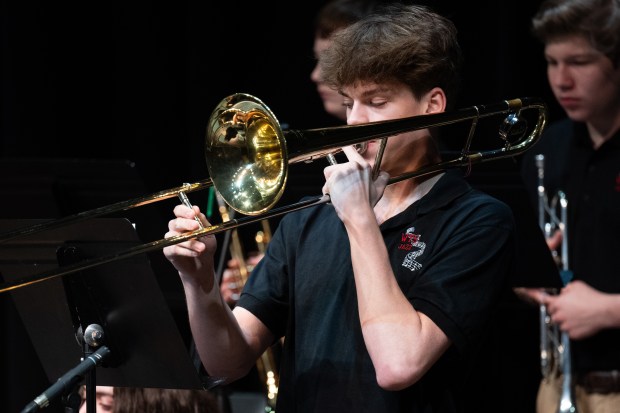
(97, 83)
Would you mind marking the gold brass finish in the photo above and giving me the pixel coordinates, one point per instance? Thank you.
(246, 154)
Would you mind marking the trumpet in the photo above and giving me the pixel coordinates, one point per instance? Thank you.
(248, 155)
(555, 354)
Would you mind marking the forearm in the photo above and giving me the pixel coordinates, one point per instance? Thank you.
(219, 340)
(402, 343)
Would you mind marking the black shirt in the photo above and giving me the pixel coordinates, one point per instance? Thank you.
(451, 252)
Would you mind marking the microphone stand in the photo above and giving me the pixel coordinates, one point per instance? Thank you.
(93, 336)
(90, 339)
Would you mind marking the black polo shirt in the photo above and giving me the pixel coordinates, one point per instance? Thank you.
(451, 252)
(591, 181)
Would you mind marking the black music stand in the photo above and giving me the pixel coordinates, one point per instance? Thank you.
(123, 297)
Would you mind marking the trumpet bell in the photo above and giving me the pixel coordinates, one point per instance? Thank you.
(246, 154)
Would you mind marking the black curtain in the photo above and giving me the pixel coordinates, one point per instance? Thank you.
(137, 81)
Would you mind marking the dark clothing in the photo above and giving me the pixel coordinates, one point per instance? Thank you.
(591, 181)
(451, 252)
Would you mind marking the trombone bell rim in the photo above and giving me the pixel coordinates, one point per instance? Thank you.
(246, 154)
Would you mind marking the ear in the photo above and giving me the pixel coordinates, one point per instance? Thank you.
(435, 100)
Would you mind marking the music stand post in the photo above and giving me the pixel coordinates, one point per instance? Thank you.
(143, 345)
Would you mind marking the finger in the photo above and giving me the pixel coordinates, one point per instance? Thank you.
(255, 259)
(550, 303)
(229, 274)
(183, 211)
(233, 263)
(325, 189)
(559, 320)
(353, 155)
(180, 250)
(181, 225)
(202, 218)
(383, 178)
(555, 240)
(176, 229)
(539, 295)
(328, 171)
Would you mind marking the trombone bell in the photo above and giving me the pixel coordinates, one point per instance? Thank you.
(246, 154)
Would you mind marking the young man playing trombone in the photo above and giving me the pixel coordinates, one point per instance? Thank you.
(383, 294)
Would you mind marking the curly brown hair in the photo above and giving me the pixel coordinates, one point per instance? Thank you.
(410, 44)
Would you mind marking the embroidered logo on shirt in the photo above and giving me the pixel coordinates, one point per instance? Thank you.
(411, 242)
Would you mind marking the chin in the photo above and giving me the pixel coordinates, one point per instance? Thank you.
(577, 115)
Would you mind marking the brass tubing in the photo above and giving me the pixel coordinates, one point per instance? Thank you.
(105, 210)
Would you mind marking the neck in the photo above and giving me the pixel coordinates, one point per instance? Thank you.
(397, 197)
(602, 129)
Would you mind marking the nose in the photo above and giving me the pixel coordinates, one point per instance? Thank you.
(356, 114)
(560, 76)
(315, 75)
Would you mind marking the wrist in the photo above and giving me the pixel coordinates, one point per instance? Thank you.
(612, 311)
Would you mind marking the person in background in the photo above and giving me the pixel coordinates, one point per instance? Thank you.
(582, 159)
(112, 399)
(333, 16)
(384, 293)
(151, 400)
(104, 402)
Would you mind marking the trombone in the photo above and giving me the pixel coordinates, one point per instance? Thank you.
(248, 155)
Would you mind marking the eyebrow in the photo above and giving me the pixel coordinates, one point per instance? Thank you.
(585, 54)
(369, 92)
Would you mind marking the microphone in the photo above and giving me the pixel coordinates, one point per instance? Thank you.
(68, 380)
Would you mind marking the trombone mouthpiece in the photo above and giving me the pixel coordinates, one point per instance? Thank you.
(361, 147)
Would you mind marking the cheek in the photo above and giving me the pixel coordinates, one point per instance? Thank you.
(555, 77)
(604, 94)
(599, 89)
(399, 145)
(594, 82)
